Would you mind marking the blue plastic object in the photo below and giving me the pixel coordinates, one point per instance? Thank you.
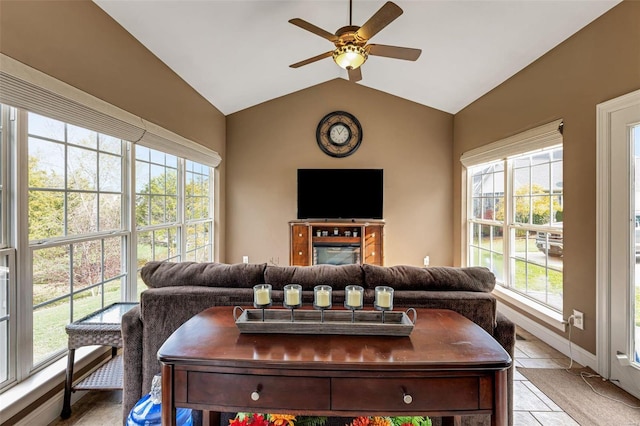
(146, 413)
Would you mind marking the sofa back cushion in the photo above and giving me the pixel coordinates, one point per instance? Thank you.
(337, 276)
(441, 278)
(208, 274)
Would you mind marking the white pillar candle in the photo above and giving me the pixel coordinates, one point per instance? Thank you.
(322, 298)
(354, 298)
(292, 297)
(261, 296)
(384, 298)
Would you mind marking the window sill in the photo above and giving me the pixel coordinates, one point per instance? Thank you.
(548, 316)
(20, 396)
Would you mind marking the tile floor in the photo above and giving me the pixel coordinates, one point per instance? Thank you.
(531, 406)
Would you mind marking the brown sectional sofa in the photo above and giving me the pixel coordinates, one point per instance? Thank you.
(178, 291)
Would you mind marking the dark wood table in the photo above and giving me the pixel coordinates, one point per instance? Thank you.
(448, 367)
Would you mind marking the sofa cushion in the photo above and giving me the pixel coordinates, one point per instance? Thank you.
(208, 274)
(337, 276)
(479, 307)
(441, 278)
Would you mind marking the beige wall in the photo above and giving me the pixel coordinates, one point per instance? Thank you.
(600, 62)
(266, 145)
(78, 43)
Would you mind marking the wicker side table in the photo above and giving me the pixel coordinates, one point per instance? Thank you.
(99, 328)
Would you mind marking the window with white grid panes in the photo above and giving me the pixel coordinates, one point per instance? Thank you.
(516, 207)
(75, 224)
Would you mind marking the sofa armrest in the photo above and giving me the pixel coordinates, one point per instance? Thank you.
(505, 334)
(132, 360)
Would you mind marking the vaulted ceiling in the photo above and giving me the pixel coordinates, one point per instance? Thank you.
(237, 53)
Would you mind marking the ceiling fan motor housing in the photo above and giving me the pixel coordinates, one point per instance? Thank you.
(349, 35)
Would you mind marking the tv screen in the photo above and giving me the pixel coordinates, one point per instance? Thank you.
(340, 193)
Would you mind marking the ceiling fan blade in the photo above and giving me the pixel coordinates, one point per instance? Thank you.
(383, 17)
(314, 29)
(310, 60)
(354, 74)
(406, 53)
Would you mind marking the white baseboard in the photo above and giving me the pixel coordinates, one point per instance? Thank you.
(552, 339)
(50, 410)
(18, 398)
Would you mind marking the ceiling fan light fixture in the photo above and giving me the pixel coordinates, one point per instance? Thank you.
(350, 56)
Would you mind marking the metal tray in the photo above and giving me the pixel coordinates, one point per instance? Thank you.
(396, 323)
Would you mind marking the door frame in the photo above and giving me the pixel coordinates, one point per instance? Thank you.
(603, 224)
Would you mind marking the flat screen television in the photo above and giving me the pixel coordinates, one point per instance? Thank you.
(340, 193)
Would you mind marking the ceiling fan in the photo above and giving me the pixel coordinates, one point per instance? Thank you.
(351, 48)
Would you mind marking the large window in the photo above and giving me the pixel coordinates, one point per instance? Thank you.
(515, 217)
(76, 233)
(82, 220)
(165, 229)
(156, 207)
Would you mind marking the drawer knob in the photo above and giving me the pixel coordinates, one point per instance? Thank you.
(408, 399)
(255, 395)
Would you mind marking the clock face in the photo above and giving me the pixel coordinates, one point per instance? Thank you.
(339, 134)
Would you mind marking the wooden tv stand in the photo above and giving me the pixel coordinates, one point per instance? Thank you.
(448, 366)
(306, 233)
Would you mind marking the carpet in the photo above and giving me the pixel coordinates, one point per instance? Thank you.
(569, 391)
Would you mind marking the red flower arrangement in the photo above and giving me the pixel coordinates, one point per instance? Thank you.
(255, 419)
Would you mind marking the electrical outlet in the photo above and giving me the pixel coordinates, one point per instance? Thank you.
(245, 259)
(578, 319)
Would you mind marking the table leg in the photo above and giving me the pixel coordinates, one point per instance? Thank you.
(501, 410)
(452, 421)
(168, 407)
(210, 418)
(68, 383)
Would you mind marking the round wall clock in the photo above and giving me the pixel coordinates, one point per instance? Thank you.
(339, 134)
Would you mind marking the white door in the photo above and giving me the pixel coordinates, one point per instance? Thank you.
(624, 284)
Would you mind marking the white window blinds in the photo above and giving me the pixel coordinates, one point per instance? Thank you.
(541, 137)
(24, 87)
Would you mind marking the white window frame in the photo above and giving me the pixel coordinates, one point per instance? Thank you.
(6, 114)
(539, 138)
(8, 353)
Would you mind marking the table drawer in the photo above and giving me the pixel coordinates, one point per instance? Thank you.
(450, 393)
(274, 392)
